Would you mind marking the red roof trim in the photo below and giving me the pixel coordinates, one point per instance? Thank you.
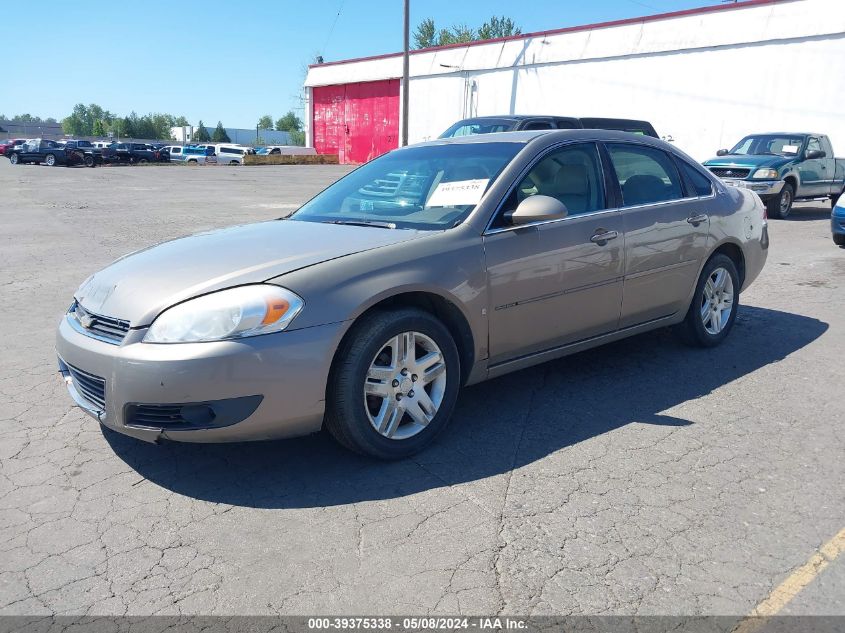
(569, 29)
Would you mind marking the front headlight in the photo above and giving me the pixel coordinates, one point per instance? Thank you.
(227, 314)
(766, 174)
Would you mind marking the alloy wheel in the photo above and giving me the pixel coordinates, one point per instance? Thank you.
(717, 301)
(405, 385)
(785, 202)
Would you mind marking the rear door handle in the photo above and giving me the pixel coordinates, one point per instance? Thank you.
(695, 220)
(602, 237)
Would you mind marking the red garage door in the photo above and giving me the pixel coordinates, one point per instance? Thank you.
(356, 121)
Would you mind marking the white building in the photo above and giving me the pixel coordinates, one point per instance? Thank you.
(705, 77)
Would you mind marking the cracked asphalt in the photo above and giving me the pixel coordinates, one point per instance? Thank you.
(639, 478)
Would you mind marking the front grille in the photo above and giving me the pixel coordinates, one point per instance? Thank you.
(89, 386)
(730, 172)
(109, 328)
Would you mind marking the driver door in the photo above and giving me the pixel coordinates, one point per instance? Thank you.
(813, 172)
(555, 282)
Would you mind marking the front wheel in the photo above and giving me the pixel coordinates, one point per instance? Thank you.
(142, 161)
(712, 313)
(780, 206)
(839, 239)
(394, 384)
(50, 160)
(14, 159)
(834, 199)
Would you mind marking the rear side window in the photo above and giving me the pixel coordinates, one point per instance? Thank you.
(700, 183)
(646, 175)
(538, 125)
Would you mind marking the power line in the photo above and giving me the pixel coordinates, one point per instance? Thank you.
(334, 22)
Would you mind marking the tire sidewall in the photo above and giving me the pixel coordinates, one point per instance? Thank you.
(787, 189)
(14, 159)
(345, 397)
(694, 323)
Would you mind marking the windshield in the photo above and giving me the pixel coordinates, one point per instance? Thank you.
(468, 127)
(432, 187)
(769, 144)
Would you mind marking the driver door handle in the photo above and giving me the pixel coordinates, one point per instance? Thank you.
(695, 220)
(602, 237)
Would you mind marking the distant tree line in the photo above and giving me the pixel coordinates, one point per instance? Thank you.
(27, 119)
(427, 34)
(289, 123)
(93, 120)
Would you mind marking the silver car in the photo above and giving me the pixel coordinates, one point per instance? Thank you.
(435, 266)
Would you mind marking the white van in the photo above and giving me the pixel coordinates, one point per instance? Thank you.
(230, 154)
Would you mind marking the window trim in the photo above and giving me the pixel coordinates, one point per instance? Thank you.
(490, 230)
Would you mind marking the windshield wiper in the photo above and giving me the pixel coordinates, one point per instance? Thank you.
(375, 223)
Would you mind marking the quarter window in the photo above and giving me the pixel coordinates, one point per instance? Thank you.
(646, 175)
(573, 175)
(700, 183)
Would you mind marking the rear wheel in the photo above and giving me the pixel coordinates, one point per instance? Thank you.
(88, 160)
(50, 160)
(780, 206)
(143, 161)
(393, 385)
(192, 162)
(712, 313)
(234, 162)
(839, 239)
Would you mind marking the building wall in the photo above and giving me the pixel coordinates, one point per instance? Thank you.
(703, 78)
(242, 136)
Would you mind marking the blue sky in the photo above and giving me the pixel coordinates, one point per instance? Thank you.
(231, 61)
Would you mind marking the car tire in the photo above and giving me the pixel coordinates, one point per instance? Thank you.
(14, 159)
(143, 161)
(89, 161)
(192, 163)
(377, 404)
(50, 160)
(714, 305)
(779, 206)
(234, 162)
(839, 239)
(834, 199)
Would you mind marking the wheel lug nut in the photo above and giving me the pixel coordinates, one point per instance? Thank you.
(414, 377)
(395, 383)
(411, 393)
(404, 372)
(398, 396)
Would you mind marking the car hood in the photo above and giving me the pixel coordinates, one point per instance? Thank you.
(139, 286)
(749, 162)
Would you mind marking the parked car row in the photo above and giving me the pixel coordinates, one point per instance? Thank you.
(91, 154)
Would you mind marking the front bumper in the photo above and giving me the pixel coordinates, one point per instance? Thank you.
(763, 188)
(289, 370)
(837, 221)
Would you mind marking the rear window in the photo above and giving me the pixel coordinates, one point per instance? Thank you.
(468, 127)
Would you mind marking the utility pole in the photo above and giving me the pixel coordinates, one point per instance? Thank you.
(405, 72)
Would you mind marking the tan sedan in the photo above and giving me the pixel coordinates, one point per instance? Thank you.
(435, 266)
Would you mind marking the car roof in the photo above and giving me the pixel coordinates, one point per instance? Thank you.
(526, 136)
(784, 134)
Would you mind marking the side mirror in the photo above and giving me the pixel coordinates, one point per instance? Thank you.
(537, 209)
(812, 154)
(722, 152)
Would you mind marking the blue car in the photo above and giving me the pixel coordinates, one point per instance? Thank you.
(837, 222)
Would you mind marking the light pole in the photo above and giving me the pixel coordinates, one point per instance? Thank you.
(405, 72)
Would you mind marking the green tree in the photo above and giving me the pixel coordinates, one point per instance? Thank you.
(220, 135)
(297, 137)
(425, 35)
(289, 123)
(99, 128)
(498, 27)
(128, 127)
(201, 133)
(181, 121)
(265, 122)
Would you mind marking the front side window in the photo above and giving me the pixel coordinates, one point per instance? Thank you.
(813, 144)
(646, 175)
(431, 187)
(572, 174)
(538, 125)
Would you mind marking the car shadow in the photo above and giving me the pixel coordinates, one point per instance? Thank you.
(805, 212)
(498, 425)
